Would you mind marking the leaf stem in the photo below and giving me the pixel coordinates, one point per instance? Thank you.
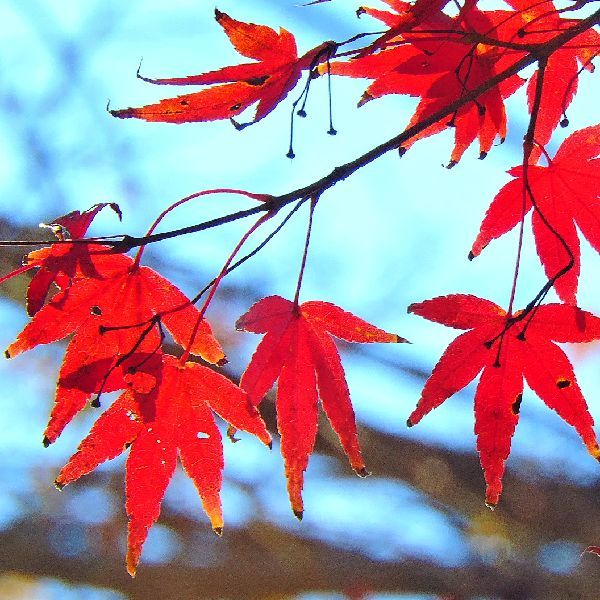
(313, 203)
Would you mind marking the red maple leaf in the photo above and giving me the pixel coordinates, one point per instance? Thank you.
(298, 350)
(173, 419)
(267, 81)
(440, 69)
(527, 350)
(120, 311)
(538, 23)
(60, 263)
(566, 194)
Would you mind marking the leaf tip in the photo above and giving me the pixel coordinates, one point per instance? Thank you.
(400, 340)
(471, 256)
(7, 354)
(46, 441)
(362, 472)
(402, 151)
(218, 531)
(366, 97)
(123, 113)
(231, 431)
(59, 485)
(490, 505)
(298, 514)
(409, 423)
(482, 155)
(222, 362)
(218, 14)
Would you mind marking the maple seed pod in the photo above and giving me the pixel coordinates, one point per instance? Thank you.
(46, 442)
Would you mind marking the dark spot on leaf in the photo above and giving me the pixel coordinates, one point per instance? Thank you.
(521, 33)
(184, 102)
(96, 311)
(563, 383)
(257, 80)
(236, 107)
(126, 445)
(516, 407)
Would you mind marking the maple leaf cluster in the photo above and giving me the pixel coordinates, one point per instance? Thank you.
(462, 67)
(117, 312)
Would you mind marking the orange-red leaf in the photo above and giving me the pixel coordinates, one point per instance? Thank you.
(119, 310)
(174, 419)
(439, 68)
(566, 194)
(507, 351)
(266, 82)
(297, 349)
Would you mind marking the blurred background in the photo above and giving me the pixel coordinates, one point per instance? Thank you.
(397, 232)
